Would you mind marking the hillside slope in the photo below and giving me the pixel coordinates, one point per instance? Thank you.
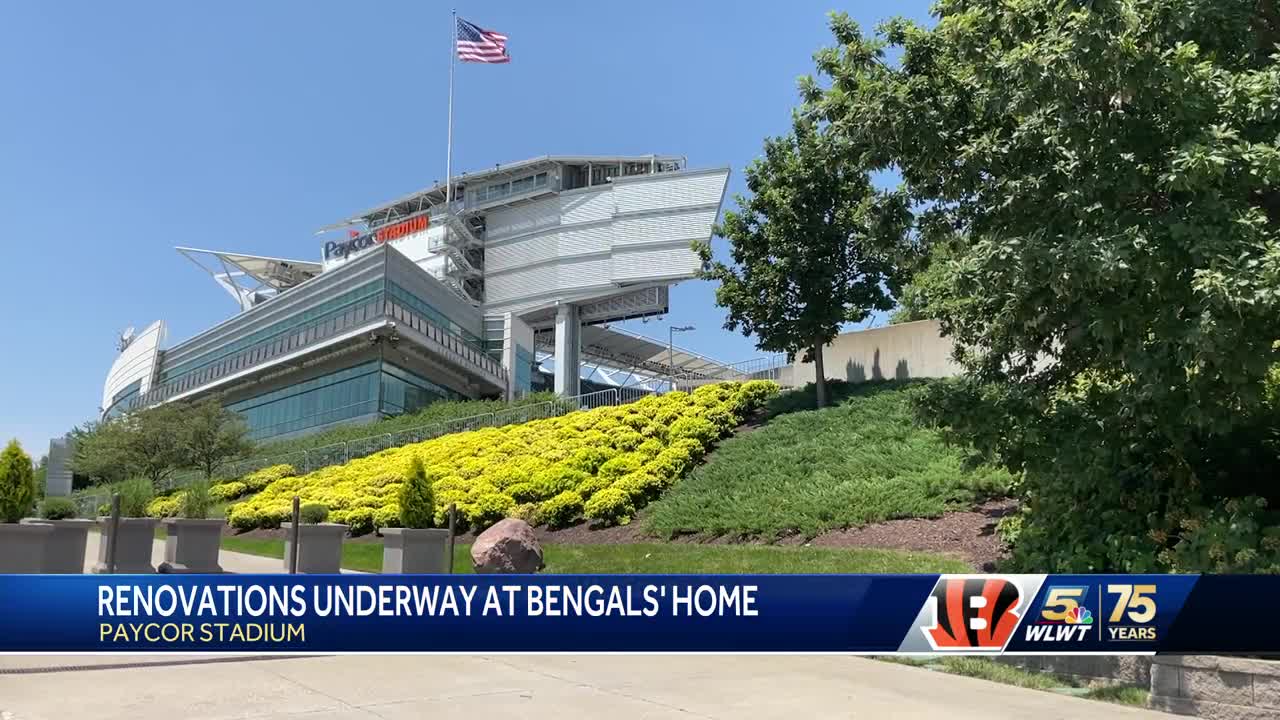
(862, 461)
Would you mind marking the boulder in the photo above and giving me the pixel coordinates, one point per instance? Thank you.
(507, 547)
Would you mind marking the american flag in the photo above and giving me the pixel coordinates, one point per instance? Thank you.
(482, 46)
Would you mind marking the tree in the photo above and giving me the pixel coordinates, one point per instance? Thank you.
(811, 248)
(211, 435)
(1104, 175)
(145, 443)
(102, 451)
(154, 447)
(17, 486)
(41, 475)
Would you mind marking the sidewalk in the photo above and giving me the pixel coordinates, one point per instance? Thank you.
(232, 562)
(556, 687)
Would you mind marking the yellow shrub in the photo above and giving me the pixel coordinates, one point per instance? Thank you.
(601, 463)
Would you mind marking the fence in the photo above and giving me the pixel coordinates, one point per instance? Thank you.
(342, 452)
(763, 368)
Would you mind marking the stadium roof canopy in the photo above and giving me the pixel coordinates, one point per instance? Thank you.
(250, 279)
(639, 354)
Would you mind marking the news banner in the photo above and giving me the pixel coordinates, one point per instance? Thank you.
(854, 614)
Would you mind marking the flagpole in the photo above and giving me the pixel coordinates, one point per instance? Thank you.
(453, 56)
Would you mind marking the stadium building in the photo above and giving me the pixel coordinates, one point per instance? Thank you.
(427, 297)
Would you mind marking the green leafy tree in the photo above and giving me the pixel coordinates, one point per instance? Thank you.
(1104, 176)
(17, 484)
(102, 451)
(154, 441)
(211, 435)
(41, 475)
(145, 443)
(812, 245)
(417, 500)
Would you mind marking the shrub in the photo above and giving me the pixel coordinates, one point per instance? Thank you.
(228, 491)
(593, 484)
(313, 513)
(196, 501)
(560, 510)
(1235, 536)
(243, 517)
(57, 508)
(135, 495)
(493, 473)
(609, 506)
(490, 508)
(161, 507)
(17, 483)
(694, 428)
(417, 501)
(640, 486)
(259, 479)
(621, 465)
(557, 479)
(388, 516)
(359, 520)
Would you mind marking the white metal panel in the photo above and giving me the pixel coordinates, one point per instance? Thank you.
(681, 228)
(585, 272)
(581, 241)
(645, 264)
(519, 284)
(135, 362)
(521, 219)
(657, 192)
(520, 253)
(587, 206)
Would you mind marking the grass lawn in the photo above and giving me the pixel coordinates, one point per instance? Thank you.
(656, 558)
(986, 669)
(861, 461)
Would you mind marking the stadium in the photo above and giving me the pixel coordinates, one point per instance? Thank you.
(466, 289)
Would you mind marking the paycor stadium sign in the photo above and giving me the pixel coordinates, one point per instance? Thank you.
(386, 233)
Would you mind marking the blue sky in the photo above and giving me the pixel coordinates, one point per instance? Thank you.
(129, 128)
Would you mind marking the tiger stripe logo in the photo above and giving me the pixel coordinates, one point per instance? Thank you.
(973, 613)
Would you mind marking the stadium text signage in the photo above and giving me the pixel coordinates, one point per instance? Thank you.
(383, 234)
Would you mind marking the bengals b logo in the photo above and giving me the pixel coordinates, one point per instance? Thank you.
(978, 613)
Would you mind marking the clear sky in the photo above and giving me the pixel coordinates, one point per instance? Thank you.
(130, 127)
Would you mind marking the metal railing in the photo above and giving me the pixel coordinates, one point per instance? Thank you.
(764, 368)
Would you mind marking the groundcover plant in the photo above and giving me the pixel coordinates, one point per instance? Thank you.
(601, 464)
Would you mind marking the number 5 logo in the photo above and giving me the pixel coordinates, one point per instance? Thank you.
(1136, 599)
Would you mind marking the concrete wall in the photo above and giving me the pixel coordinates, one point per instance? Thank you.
(894, 352)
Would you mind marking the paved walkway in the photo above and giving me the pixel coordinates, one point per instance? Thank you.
(557, 687)
(232, 562)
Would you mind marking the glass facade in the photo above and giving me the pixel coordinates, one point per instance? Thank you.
(523, 369)
(120, 402)
(311, 316)
(374, 387)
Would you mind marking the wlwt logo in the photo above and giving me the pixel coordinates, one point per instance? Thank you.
(971, 614)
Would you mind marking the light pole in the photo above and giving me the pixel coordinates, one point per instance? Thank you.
(671, 350)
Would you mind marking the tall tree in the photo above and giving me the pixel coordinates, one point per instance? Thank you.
(102, 451)
(1105, 175)
(811, 248)
(212, 435)
(155, 441)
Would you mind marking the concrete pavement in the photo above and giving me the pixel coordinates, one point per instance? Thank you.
(555, 686)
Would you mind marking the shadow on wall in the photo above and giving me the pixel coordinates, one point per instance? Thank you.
(856, 372)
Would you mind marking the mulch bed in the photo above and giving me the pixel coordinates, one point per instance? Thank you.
(969, 535)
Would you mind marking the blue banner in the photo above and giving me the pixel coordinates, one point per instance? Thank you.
(970, 614)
